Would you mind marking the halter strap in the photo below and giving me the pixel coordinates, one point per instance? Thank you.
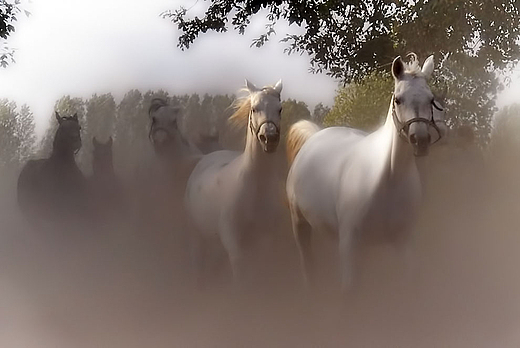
(404, 127)
(256, 131)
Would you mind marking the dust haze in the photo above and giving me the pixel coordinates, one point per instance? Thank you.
(123, 286)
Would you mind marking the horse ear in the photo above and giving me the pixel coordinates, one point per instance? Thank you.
(397, 68)
(75, 116)
(278, 86)
(58, 117)
(251, 87)
(427, 68)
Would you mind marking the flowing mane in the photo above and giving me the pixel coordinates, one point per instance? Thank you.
(240, 117)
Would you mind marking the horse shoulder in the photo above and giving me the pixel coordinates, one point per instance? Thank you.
(314, 178)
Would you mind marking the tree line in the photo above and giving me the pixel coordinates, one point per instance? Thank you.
(126, 121)
(474, 42)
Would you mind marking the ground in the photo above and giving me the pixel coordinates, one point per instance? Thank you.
(120, 294)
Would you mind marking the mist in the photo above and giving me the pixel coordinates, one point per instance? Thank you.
(113, 287)
(129, 281)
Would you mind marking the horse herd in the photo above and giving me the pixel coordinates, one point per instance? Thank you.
(341, 182)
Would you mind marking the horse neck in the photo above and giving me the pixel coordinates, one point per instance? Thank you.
(255, 158)
(63, 155)
(401, 157)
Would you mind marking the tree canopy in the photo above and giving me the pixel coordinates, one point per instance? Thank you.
(362, 105)
(471, 40)
(9, 11)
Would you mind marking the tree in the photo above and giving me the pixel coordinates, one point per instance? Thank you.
(130, 134)
(26, 132)
(17, 135)
(100, 118)
(9, 11)
(319, 113)
(9, 142)
(350, 40)
(191, 115)
(292, 111)
(362, 105)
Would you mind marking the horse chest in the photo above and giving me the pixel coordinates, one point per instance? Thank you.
(254, 209)
(389, 213)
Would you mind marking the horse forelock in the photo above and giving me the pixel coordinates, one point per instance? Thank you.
(413, 67)
(242, 106)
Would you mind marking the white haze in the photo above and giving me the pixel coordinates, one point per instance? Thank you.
(84, 47)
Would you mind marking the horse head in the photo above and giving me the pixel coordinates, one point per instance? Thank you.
(164, 125)
(68, 135)
(265, 114)
(415, 111)
(102, 155)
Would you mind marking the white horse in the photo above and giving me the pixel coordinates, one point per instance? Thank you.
(356, 185)
(233, 195)
(161, 218)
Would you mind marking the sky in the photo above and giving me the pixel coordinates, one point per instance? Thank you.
(82, 47)
(79, 47)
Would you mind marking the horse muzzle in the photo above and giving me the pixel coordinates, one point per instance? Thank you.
(269, 137)
(420, 139)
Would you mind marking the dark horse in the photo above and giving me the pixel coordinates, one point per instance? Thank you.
(54, 190)
(105, 187)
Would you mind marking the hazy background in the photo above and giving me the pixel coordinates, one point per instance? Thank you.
(80, 48)
(119, 291)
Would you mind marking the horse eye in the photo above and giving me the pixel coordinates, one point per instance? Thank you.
(397, 101)
(253, 110)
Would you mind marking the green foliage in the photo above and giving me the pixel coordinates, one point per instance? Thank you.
(25, 131)
(350, 40)
(17, 136)
(9, 10)
(319, 113)
(293, 111)
(362, 105)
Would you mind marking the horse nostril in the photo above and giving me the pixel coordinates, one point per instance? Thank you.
(273, 138)
(413, 139)
(262, 138)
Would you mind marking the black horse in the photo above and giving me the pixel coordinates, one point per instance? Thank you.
(54, 190)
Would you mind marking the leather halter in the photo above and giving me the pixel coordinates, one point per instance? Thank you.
(257, 130)
(404, 127)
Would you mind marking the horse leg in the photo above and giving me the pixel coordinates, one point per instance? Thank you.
(303, 234)
(231, 241)
(347, 258)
